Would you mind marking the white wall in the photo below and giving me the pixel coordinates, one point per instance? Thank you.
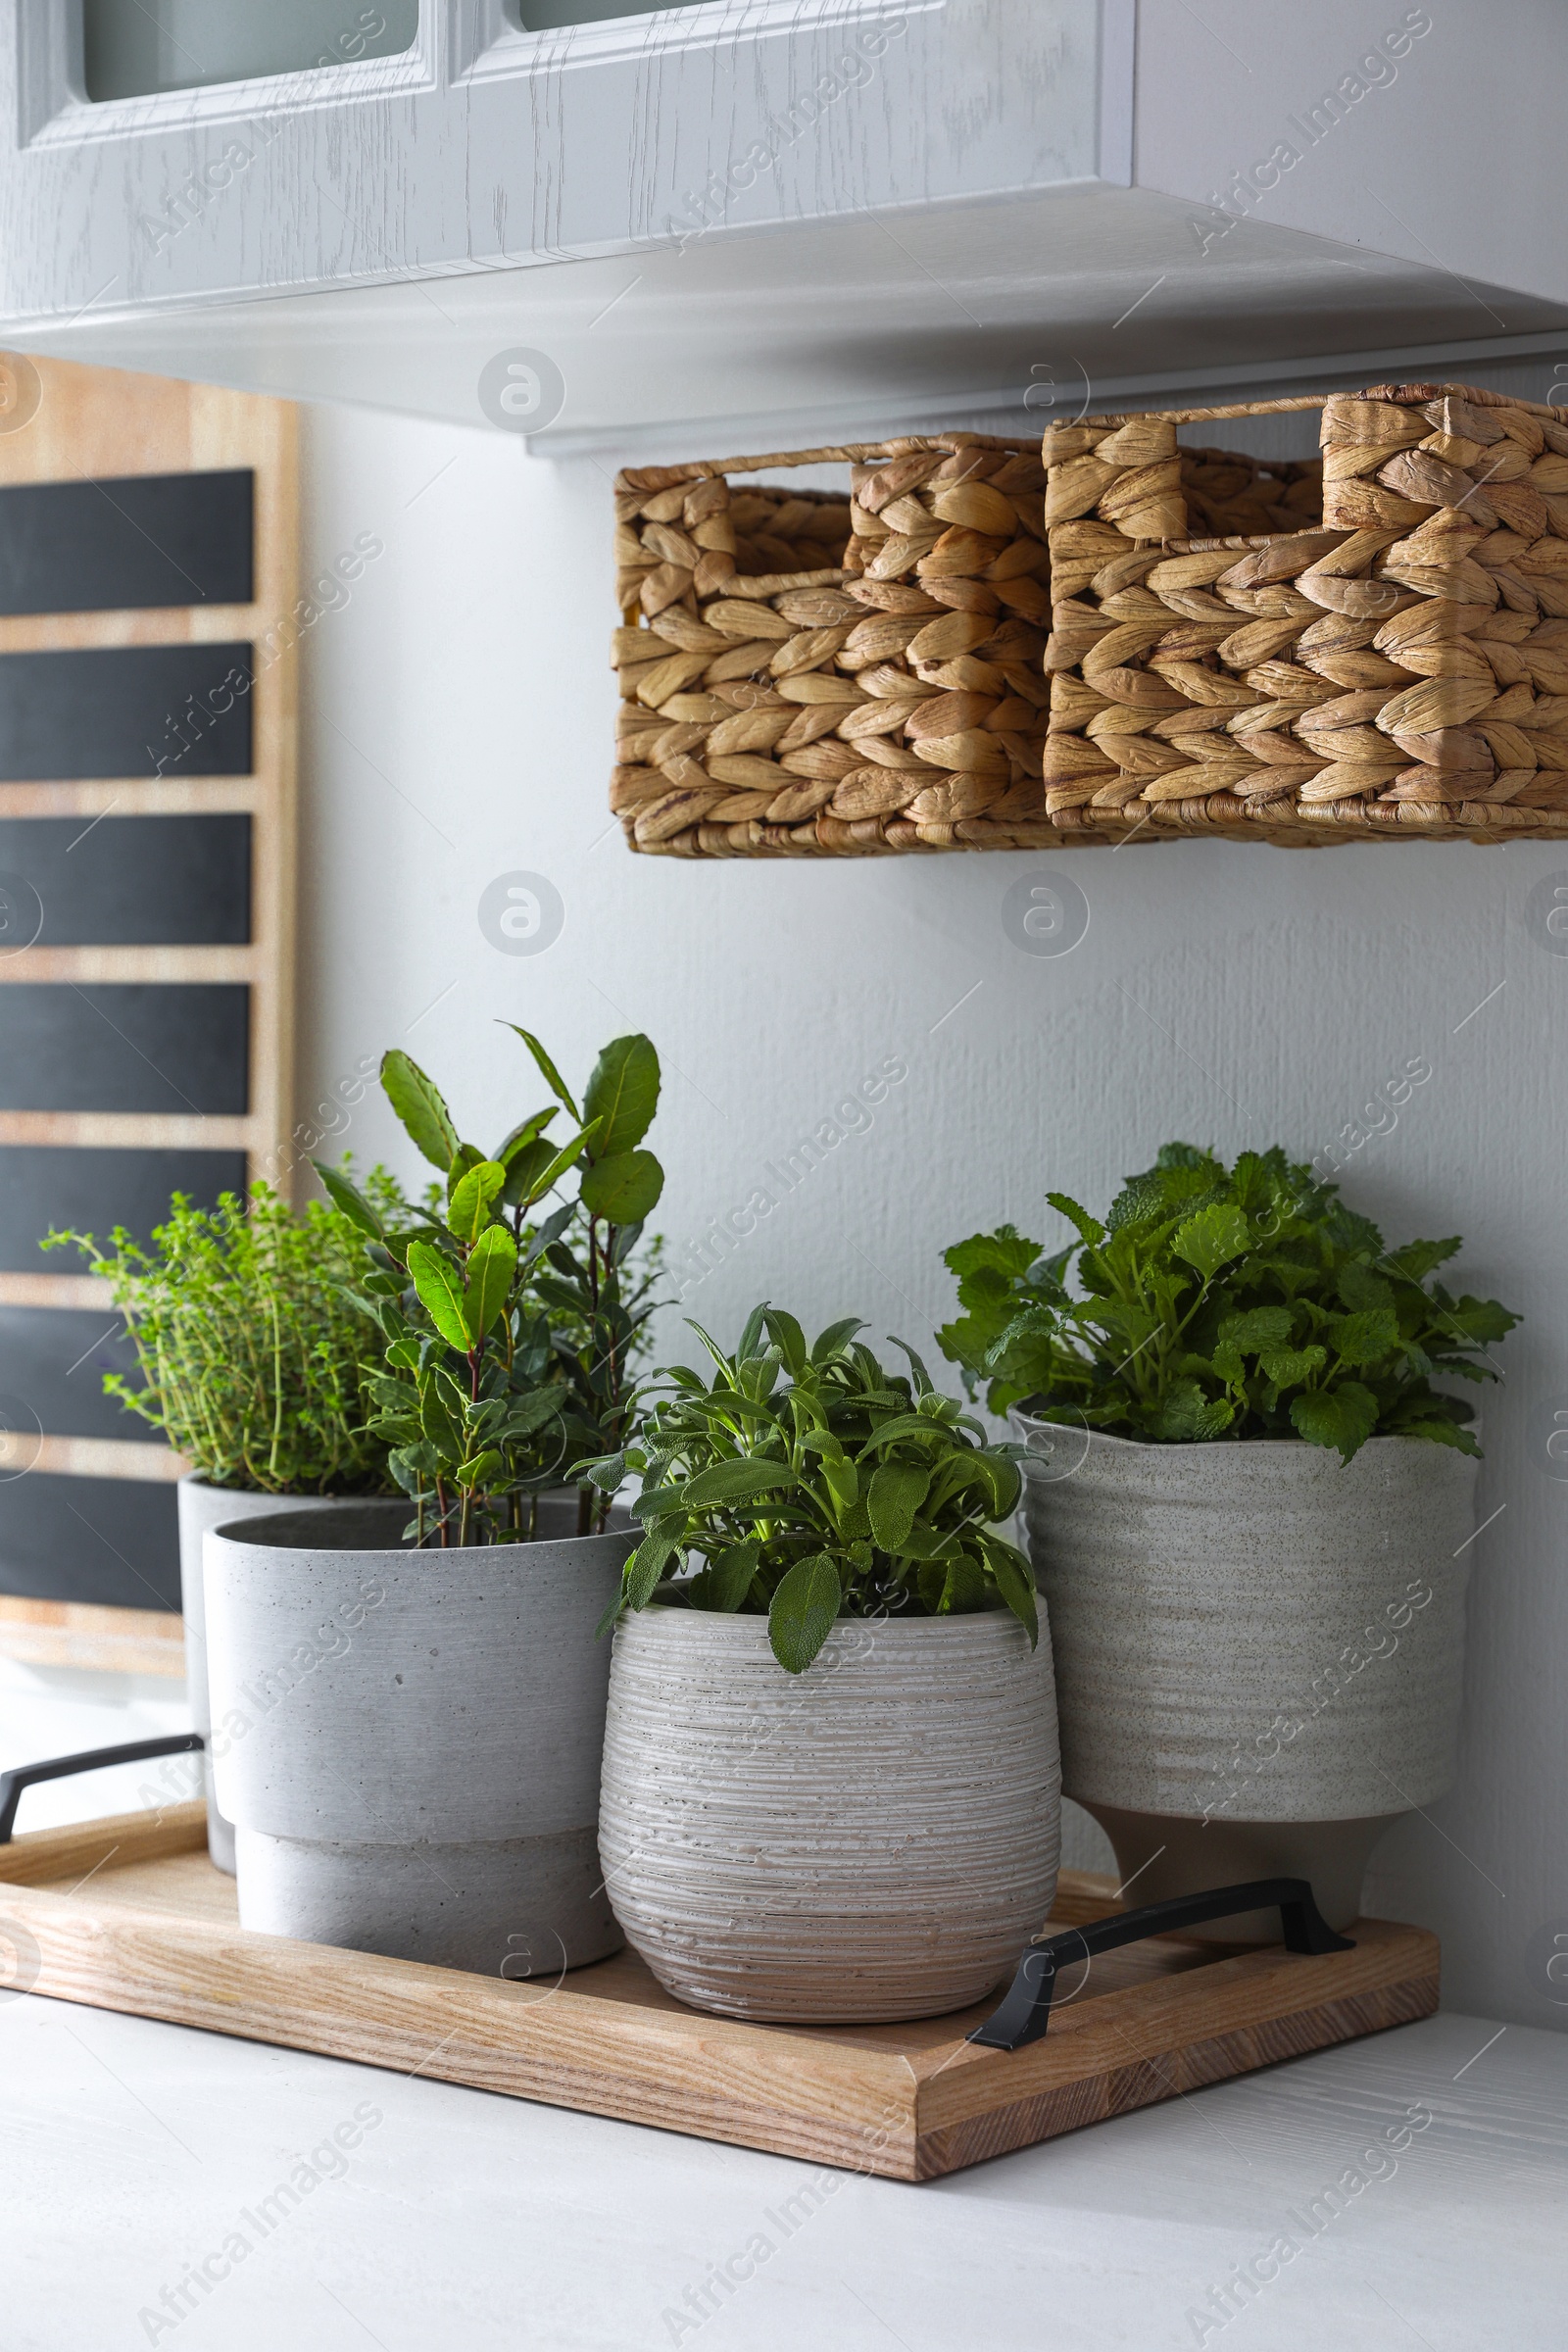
(458, 715)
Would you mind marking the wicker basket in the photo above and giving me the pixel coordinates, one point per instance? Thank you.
(1372, 648)
(844, 674)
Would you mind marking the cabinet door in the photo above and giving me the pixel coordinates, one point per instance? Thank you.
(441, 135)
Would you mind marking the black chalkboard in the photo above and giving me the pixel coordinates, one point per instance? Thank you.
(129, 541)
(109, 1542)
(124, 881)
(125, 710)
(94, 1191)
(124, 1046)
(52, 1365)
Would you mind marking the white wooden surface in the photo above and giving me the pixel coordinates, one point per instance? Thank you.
(138, 2151)
(484, 146)
(1063, 201)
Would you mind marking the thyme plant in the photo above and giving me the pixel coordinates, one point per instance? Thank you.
(249, 1345)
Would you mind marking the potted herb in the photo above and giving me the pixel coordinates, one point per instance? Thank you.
(250, 1353)
(426, 1786)
(1249, 1502)
(831, 1778)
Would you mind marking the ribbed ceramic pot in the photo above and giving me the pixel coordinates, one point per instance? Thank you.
(875, 1839)
(412, 1739)
(202, 1507)
(1260, 1648)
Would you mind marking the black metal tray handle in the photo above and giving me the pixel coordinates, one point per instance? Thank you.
(1025, 2009)
(59, 1767)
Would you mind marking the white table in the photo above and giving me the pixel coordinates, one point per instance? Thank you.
(463, 2221)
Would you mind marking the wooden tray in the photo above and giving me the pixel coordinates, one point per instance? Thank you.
(127, 1913)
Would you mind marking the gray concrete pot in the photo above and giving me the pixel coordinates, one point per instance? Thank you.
(876, 1838)
(1258, 1649)
(202, 1507)
(418, 1770)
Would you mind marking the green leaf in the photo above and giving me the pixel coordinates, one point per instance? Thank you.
(480, 1470)
(1260, 1327)
(547, 1068)
(1006, 1252)
(607, 1472)
(833, 1341)
(1418, 1260)
(492, 1264)
(803, 1611)
(731, 1575)
(1211, 1239)
(348, 1197)
(788, 1337)
(734, 1482)
(964, 1591)
(526, 1131)
(1184, 1416)
(1365, 1339)
(1089, 1229)
(624, 1096)
(543, 1180)
(1344, 1418)
(639, 1576)
(897, 1492)
(419, 1105)
(1015, 1582)
(1285, 1366)
(623, 1188)
(440, 1288)
(1360, 1288)
(472, 1195)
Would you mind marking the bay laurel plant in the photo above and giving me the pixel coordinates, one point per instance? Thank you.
(510, 1346)
(804, 1484)
(1214, 1302)
(249, 1345)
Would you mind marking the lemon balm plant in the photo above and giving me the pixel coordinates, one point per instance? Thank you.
(509, 1347)
(1249, 1502)
(803, 1484)
(1224, 1302)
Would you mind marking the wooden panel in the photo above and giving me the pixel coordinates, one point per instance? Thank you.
(133, 541)
(129, 881)
(140, 921)
(157, 1935)
(117, 1048)
(110, 1540)
(93, 1192)
(67, 1633)
(125, 710)
(54, 1359)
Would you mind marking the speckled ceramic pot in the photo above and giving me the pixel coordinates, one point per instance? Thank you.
(876, 1838)
(1258, 1648)
(408, 1742)
(201, 1506)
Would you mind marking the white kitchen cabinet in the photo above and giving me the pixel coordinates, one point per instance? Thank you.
(483, 145)
(753, 223)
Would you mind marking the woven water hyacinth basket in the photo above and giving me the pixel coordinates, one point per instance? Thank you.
(852, 674)
(1370, 648)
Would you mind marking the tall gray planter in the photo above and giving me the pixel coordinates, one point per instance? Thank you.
(1259, 1649)
(201, 1506)
(418, 1774)
(875, 1839)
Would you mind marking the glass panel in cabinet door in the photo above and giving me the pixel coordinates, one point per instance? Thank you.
(135, 48)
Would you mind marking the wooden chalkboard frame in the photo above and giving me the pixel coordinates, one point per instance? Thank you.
(97, 424)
